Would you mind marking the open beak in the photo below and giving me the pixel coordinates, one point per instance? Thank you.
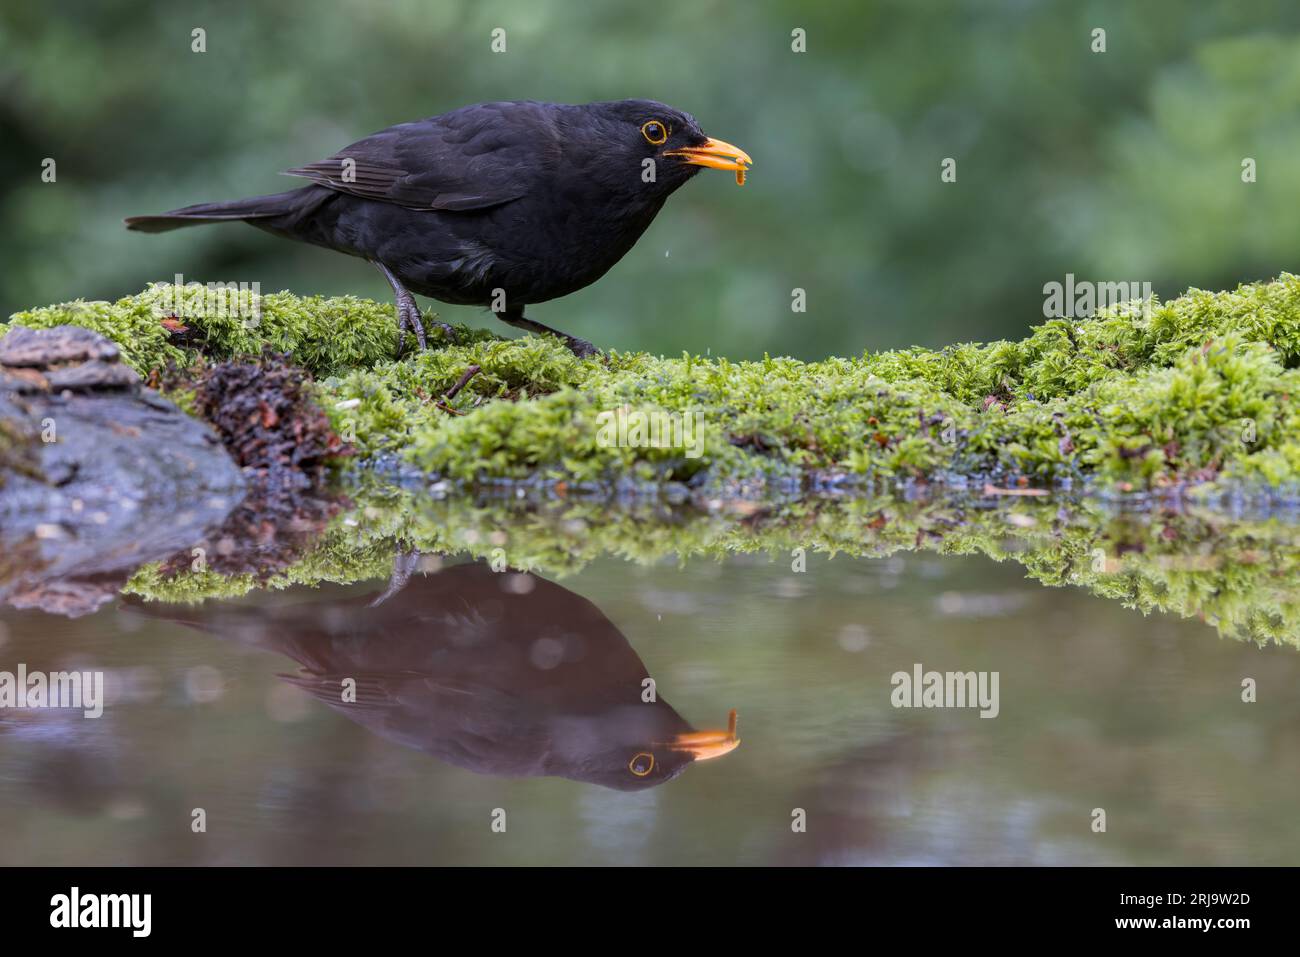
(715, 154)
(703, 745)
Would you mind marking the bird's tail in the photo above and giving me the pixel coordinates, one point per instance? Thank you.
(252, 209)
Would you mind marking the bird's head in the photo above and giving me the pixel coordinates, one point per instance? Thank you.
(652, 148)
(640, 747)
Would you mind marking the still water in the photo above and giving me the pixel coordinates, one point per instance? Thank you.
(503, 720)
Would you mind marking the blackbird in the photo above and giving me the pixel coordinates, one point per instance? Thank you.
(496, 673)
(498, 204)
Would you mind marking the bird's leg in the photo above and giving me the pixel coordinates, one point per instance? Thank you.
(408, 312)
(580, 347)
(404, 565)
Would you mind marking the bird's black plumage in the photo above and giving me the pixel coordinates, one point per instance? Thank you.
(498, 674)
(498, 204)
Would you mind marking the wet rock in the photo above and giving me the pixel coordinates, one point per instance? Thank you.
(95, 374)
(56, 346)
(98, 475)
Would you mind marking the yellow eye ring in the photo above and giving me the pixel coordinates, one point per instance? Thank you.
(631, 765)
(655, 133)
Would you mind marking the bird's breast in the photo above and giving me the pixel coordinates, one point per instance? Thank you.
(557, 245)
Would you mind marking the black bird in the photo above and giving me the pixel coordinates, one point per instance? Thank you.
(498, 204)
(496, 673)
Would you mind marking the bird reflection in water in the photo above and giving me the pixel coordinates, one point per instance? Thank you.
(498, 673)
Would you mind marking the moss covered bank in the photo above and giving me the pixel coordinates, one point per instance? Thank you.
(1179, 406)
(1196, 391)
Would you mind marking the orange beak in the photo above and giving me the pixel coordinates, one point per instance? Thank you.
(704, 745)
(716, 154)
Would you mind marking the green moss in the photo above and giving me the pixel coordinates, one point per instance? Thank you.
(324, 333)
(1194, 390)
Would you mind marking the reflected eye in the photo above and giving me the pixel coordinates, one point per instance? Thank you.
(643, 763)
(655, 133)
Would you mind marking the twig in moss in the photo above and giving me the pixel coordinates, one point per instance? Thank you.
(470, 373)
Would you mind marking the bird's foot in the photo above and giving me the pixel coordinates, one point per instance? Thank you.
(582, 348)
(449, 334)
(408, 317)
(579, 347)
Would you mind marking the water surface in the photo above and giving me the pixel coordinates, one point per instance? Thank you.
(1099, 707)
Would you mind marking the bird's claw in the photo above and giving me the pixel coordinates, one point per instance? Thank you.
(408, 317)
(582, 348)
(418, 328)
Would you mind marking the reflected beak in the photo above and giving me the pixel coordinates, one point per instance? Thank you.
(703, 745)
(716, 154)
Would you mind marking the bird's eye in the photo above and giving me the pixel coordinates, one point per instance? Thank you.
(642, 764)
(655, 133)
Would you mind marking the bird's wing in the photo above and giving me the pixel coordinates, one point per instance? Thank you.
(472, 158)
(377, 691)
(370, 693)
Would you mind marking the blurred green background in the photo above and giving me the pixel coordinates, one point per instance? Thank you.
(1123, 165)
